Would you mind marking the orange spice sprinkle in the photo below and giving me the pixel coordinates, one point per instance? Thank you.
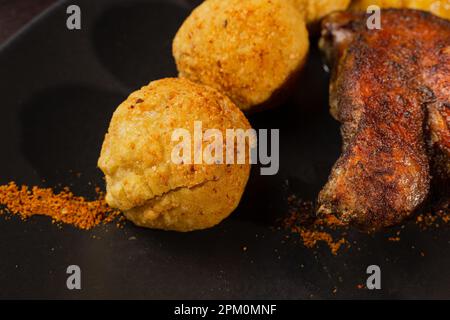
(62, 207)
(431, 219)
(313, 229)
(310, 239)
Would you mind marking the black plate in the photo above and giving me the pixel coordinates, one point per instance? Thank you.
(58, 91)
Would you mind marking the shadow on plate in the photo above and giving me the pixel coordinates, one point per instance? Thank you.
(134, 41)
(62, 133)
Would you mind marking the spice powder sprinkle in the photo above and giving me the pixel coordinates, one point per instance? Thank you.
(62, 207)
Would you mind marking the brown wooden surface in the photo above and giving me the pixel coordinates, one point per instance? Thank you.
(14, 14)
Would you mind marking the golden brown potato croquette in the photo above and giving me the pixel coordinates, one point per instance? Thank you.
(136, 158)
(440, 8)
(315, 10)
(249, 49)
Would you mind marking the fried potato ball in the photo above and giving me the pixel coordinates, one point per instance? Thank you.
(315, 10)
(440, 8)
(141, 177)
(250, 50)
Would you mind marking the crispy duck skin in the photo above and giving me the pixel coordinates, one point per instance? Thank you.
(390, 89)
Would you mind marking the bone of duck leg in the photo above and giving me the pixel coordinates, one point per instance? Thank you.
(386, 84)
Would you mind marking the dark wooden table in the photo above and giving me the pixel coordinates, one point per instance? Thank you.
(14, 14)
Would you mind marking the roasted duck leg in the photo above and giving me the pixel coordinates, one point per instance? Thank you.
(390, 89)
